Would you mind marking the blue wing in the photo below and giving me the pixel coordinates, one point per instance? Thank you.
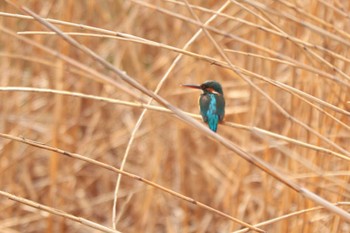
(212, 109)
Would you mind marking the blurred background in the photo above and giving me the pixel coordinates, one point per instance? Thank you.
(296, 54)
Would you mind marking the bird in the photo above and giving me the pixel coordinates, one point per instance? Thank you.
(211, 102)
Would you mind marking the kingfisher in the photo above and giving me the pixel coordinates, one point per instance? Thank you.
(211, 103)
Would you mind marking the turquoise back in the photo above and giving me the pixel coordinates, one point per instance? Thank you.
(212, 109)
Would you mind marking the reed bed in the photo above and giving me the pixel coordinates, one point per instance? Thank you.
(97, 134)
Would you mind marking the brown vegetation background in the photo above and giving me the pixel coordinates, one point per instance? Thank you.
(295, 52)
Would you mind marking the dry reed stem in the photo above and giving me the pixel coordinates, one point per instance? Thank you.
(128, 174)
(283, 111)
(286, 216)
(302, 95)
(269, 51)
(58, 212)
(213, 61)
(259, 163)
(279, 107)
(120, 36)
(291, 75)
(156, 91)
(98, 76)
(253, 130)
(303, 191)
(293, 92)
(302, 22)
(254, 160)
(269, 30)
(316, 19)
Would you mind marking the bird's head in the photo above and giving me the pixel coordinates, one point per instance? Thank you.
(208, 87)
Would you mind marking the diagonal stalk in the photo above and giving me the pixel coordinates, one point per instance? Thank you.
(140, 120)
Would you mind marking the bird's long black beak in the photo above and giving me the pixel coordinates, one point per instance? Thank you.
(192, 86)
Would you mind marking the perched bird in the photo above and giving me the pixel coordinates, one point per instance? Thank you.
(211, 103)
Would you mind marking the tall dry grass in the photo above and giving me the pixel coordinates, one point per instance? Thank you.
(69, 124)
